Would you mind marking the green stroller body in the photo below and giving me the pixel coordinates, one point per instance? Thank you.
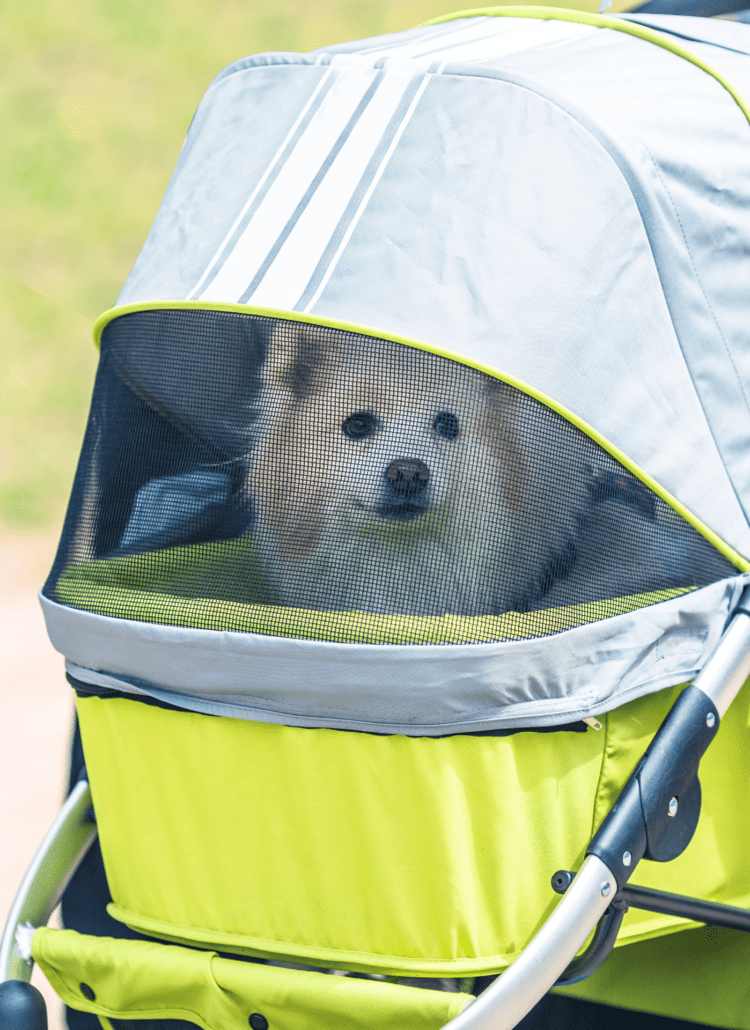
(412, 512)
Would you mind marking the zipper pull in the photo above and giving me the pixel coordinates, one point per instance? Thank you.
(593, 723)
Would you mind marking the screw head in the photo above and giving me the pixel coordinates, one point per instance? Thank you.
(673, 806)
(710, 720)
(627, 858)
(561, 880)
(606, 889)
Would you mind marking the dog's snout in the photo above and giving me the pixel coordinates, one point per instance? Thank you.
(407, 476)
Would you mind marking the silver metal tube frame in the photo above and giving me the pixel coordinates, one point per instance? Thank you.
(539, 965)
(66, 842)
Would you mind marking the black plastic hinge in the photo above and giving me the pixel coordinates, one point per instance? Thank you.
(657, 811)
(668, 776)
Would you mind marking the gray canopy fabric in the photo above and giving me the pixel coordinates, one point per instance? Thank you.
(428, 690)
(565, 203)
(548, 197)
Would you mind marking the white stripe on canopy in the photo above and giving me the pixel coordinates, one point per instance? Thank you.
(293, 266)
(301, 244)
(261, 183)
(292, 183)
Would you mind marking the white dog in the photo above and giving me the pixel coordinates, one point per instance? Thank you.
(387, 479)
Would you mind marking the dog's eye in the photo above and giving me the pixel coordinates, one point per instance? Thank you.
(446, 424)
(360, 425)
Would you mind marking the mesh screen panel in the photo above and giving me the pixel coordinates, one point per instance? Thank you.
(246, 473)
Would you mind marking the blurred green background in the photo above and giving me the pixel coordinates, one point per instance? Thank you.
(96, 99)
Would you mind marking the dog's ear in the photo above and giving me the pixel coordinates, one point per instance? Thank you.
(294, 357)
(503, 398)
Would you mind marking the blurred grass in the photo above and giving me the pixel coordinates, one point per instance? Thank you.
(47, 367)
(96, 99)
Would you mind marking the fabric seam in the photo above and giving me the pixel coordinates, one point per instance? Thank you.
(299, 949)
(602, 22)
(600, 780)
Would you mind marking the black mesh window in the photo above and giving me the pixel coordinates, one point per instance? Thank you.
(247, 473)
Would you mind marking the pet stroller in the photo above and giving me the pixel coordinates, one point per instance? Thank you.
(414, 492)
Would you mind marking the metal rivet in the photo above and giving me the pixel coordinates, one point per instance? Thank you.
(710, 720)
(258, 1022)
(673, 806)
(627, 858)
(606, 889)
(87, 992)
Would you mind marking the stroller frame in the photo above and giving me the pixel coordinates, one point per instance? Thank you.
(654, 817)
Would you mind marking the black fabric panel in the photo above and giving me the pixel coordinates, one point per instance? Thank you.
(556, 1012)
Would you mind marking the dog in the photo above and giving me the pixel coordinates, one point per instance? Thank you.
(386, 479)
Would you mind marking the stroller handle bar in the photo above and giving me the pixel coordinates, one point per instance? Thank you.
(508, 999)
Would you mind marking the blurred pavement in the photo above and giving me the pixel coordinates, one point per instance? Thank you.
(35, 720)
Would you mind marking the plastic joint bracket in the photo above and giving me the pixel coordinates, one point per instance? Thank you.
(657, 811)
(695, 909)
(654, 817)
(598, 950)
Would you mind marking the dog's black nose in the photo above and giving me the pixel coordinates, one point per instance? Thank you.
(407, 476)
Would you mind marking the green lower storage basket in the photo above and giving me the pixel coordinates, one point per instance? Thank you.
(403, 856)
(699, 975)
(118, 979)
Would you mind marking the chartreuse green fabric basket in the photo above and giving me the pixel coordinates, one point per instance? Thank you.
(140, 980)
(403, 856)
(700, 975)
(197, 585)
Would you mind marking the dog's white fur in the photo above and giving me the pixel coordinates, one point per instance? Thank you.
(497, 512)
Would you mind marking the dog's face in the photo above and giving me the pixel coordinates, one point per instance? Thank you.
(389, 464)
(386, 479)
(400, 450)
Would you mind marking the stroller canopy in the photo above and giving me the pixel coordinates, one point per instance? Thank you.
(544, 207)
(566, 204)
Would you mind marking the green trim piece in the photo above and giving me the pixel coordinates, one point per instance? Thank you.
(197, 586)
(333, 958)
(602, 22)
(146, 980)
(713, 538)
